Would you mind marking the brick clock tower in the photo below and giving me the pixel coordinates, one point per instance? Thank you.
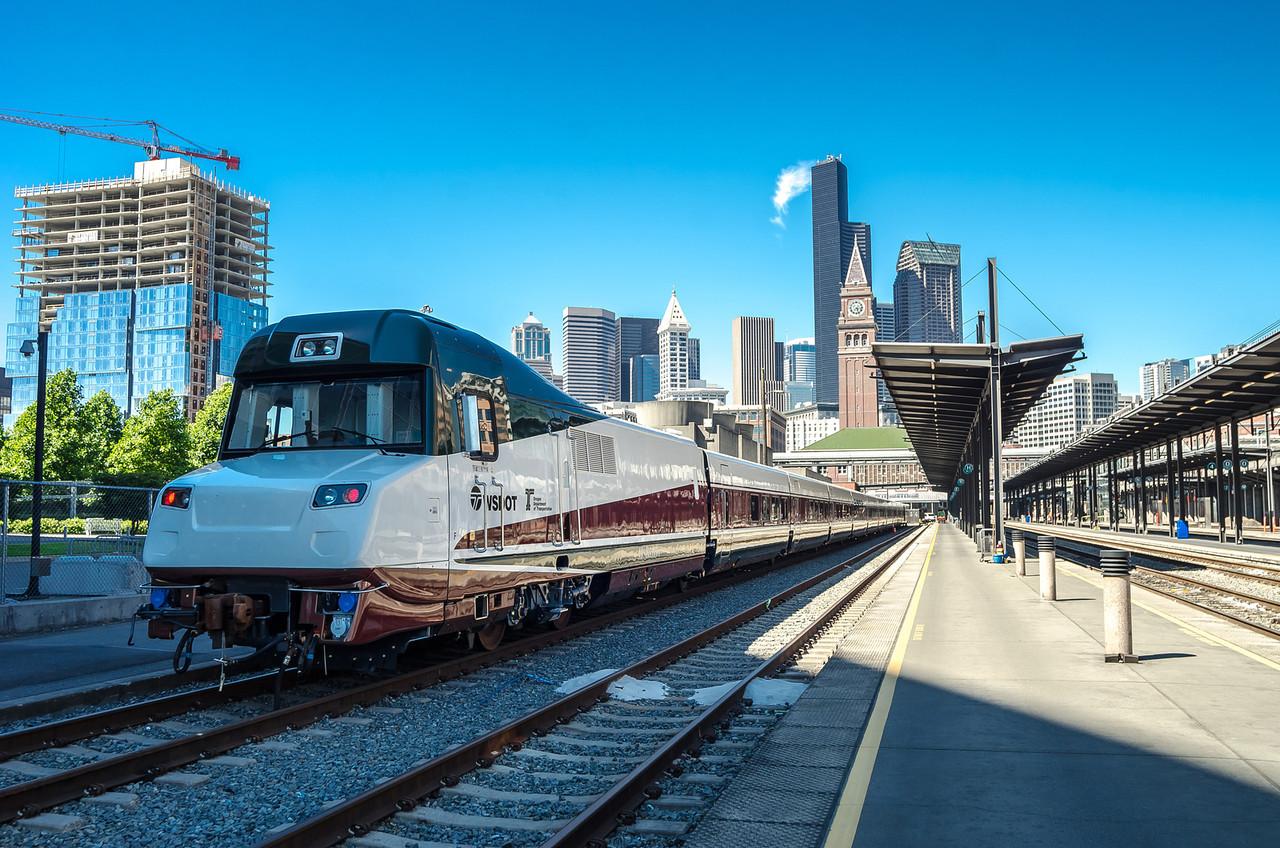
(855, 332)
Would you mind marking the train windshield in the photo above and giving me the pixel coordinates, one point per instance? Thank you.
(357, 412)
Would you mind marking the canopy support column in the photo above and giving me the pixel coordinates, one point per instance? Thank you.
(1217, 476)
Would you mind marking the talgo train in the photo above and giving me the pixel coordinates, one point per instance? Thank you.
(386, 477)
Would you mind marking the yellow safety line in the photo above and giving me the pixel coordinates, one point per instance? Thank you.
(1202, 635)
(844, 824)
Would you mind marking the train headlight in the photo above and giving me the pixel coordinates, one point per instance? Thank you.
(347, 601)
(339, 626)
(159, 598)
(178, 497)
(344, 494)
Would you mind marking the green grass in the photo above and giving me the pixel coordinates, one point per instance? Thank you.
(53, 548)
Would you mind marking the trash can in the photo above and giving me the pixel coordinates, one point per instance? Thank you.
(1181, 531)
(984, 543)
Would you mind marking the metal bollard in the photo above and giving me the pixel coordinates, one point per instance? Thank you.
(1117, 611)
(1020, 551)
(1048, 567)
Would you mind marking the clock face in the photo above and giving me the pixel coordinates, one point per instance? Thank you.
(856, 308)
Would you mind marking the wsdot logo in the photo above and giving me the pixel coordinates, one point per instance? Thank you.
(476, 498)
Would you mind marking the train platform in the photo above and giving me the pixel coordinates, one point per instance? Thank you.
(39, 666)
(1253, 549)
(986, 716)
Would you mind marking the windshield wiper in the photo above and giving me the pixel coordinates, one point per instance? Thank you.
(356, 433)
(283, 436)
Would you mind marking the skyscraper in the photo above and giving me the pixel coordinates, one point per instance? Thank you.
(885, 332)
(695, 359)
(798, 370)
(531, 342)
(926, 293)
(590, 354)
(779, 360)
(644, 374)
(834, 240)
(148, 282)
(1073, 404)
(753, 352)
(636, 337)
(673, 348)
(799, 362)
(1156, 378)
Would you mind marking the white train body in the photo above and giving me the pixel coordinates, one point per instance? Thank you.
(408, 479)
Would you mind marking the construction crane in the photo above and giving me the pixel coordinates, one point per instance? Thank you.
(153, 147)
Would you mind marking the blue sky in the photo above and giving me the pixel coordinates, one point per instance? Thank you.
(489, 160)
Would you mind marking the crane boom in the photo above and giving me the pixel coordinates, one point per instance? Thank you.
(153, 147)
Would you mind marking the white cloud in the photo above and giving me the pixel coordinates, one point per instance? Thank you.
(792, 180)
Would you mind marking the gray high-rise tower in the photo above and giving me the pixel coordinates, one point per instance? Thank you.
(636, 337)
(834, 239)
(926, 293)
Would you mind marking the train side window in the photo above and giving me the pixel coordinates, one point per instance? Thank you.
(479, 430)
(755, 508)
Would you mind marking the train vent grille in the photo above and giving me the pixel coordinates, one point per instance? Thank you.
(593, 452)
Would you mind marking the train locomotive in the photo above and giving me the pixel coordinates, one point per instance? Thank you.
(386, 477)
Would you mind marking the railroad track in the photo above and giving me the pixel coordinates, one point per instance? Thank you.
(1243, 608)
(572, 771)
(1263, 570)
(167, 745)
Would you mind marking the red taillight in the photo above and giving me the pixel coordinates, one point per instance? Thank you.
(352, 495)
(177, 497)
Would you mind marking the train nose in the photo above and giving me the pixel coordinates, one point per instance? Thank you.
(259, 510)
(277, 508)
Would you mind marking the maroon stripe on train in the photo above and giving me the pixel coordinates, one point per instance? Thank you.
(674, 510)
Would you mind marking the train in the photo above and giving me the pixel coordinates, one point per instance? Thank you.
(386, 477)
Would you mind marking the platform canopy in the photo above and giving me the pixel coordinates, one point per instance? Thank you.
(1243, 385)
(939, 390)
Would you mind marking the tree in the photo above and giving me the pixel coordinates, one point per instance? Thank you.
(155, 445)
(206, 431)
(63, 453)
(100, 423)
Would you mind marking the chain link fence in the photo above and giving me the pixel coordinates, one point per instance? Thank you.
(90, 539)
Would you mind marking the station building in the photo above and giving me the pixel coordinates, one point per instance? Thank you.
(881, 461)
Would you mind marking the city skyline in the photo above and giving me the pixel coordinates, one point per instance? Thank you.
(583, 177)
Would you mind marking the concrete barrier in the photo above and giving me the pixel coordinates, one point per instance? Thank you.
(60, 613)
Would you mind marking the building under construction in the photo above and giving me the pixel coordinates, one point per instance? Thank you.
(148, 282)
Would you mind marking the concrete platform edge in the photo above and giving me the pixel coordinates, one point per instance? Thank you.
(38, 616)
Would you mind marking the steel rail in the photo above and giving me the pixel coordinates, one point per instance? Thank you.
(592, 825)
(30, 797)
(358, 814)
(65, 731)
(16, 711)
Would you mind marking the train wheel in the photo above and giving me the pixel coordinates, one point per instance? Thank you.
(490, 636)
(561, 621)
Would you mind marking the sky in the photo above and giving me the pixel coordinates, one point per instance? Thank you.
(1119, 160)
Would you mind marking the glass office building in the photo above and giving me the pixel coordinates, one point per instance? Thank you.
(145, 283)
(129, 342)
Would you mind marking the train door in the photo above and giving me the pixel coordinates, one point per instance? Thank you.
(568, 442)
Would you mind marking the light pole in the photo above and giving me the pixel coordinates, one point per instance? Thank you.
(29, 347)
